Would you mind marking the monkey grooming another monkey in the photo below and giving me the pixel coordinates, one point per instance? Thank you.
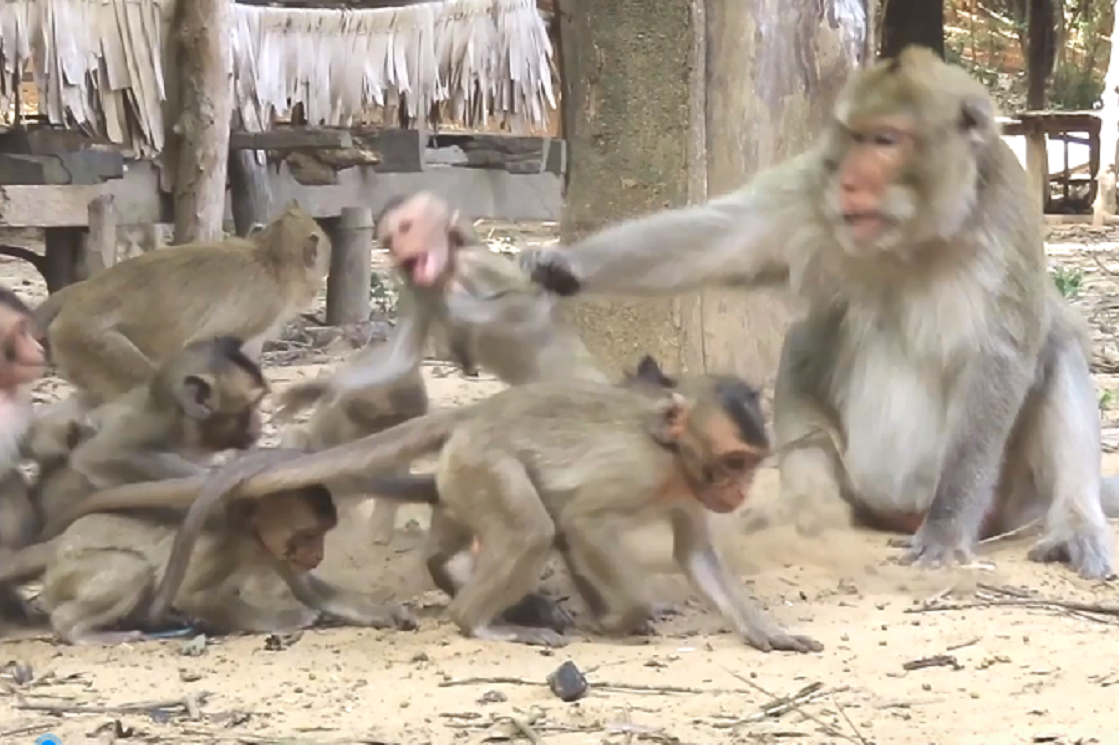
(100, 572)
(109, 333)
(601, 458)
(934, 344)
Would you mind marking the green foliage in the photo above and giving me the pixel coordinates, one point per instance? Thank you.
(1106, 399)
(1068, 281)
(1075, 89)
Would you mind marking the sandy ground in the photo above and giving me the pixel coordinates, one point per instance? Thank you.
(923, 657)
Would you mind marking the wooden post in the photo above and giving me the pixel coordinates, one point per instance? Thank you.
(64, 250)
(101, 242)
(1037, 159)
(249, 189)
(347, 285)
(205, 62)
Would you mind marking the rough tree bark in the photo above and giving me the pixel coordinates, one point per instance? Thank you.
(1109, 132)
(912, 22)
(662, 109)
(205, 105)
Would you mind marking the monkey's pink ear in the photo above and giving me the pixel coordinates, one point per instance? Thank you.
(196, 396)
(671, 419)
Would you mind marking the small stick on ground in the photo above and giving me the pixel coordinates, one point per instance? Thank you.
(629, 687)
(991, 596)
(185, 704)
(938, 660)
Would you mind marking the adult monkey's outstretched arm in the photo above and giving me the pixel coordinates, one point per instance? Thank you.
(742, 238)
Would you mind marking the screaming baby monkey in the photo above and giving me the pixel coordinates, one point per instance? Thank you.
(455, 288)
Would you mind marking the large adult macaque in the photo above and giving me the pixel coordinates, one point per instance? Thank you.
(108, 334)
(950, 378)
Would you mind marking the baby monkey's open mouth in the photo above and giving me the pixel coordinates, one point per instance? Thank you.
(423, 268)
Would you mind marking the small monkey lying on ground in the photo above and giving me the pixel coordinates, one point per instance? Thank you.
(109, 333)
(601, 458)
(950, 380)
(99, 574)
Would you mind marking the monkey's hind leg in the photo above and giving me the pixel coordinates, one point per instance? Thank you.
(516, 538)
(105, 369)
(1061, 447)
(451, 563)
(104, 589)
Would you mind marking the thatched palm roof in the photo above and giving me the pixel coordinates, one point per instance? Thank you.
(96, 63)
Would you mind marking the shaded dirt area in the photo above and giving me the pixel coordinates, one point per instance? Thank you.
(992, 668)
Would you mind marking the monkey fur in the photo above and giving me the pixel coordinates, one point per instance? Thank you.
(481, 305)
(934, 344)
(21, 364)
(109, 333)
(595, 451)
(99, 573)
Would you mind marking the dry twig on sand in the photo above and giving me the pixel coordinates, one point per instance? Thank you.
(990, 596)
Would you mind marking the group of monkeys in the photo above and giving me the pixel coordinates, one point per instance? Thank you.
(935, 382)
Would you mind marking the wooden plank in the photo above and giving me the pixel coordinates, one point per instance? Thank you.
(479, 193)
(291, 138)
(136, 196)
(80, 167)
(397, 150)
(510, 153)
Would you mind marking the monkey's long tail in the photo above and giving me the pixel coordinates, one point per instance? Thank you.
(26, 563)
(404, 442)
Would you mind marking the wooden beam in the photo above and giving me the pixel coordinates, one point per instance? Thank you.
(138, 201)
(291, 138)
(79, 167)
(508, 153)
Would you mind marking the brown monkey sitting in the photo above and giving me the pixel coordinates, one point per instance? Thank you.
(100, 572)
(108, 334)
(204, 400)
(596, 452)
(947, 380)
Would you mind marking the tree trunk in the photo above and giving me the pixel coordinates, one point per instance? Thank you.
(629, 77)
(1041, 51)
(1109, 132)
(205, 67)
(661, 109)
(912, 22)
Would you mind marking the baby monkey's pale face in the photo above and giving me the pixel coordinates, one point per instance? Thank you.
(422, 235)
